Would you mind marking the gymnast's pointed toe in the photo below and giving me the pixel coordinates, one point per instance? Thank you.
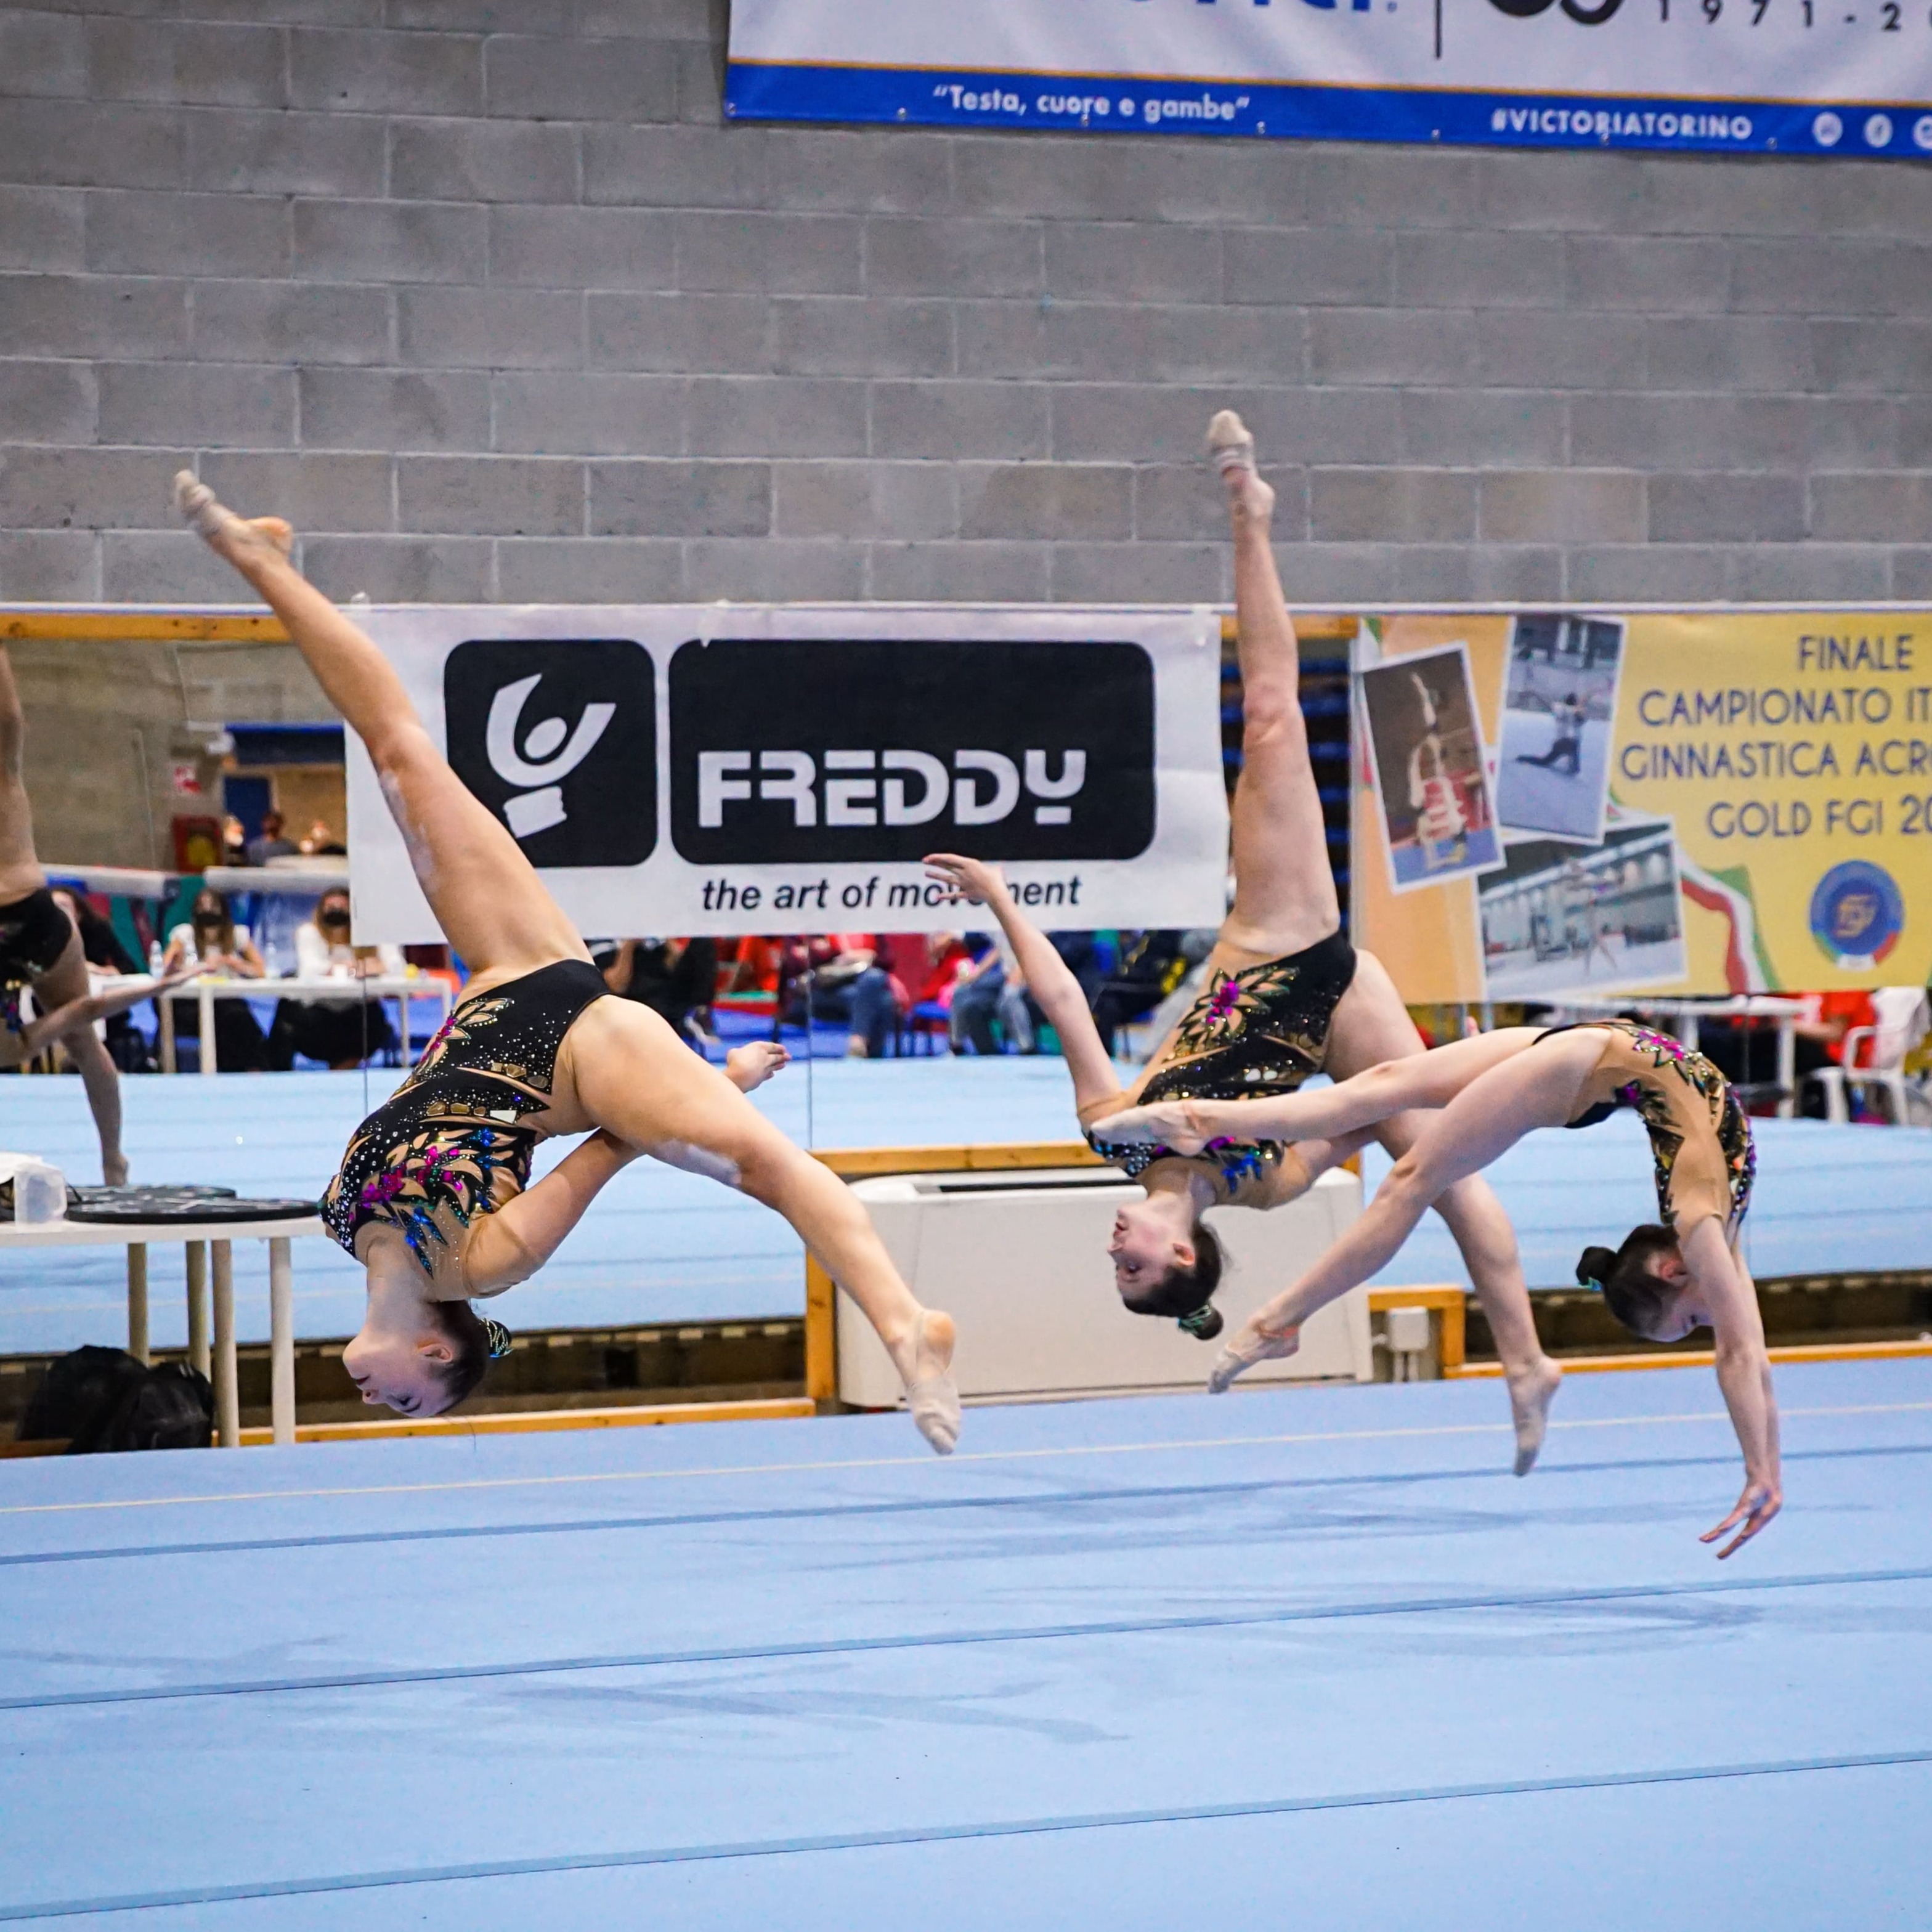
(932, 1396)
(935, 1405)
(1229, 443)
(196, 504)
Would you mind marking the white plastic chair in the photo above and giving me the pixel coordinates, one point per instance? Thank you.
(1902, 1019)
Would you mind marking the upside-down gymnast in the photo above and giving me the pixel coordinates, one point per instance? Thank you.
(40, 952)
(434, 1196)
(1286, 996)
(1668, 1277)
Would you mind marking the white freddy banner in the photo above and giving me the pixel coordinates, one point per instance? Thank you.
(715, 769)
(1784, 76)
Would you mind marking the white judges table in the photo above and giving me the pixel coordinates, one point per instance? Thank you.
(205, 1240)
(335, 991)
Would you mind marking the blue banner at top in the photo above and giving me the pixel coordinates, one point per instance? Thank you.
(1809, 77)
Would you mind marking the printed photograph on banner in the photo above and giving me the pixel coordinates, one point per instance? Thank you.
(1559, 704)
(1432, 783)
(1560, 918)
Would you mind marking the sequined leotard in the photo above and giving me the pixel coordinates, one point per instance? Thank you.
(1255, 1031)
(454, 1134)
(1700, 1138)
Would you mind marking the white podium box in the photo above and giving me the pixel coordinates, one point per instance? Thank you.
(1019, 1260)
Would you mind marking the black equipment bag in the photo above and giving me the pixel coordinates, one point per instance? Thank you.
(99, 1398)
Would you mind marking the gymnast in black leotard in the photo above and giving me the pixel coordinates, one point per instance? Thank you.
(40, 952)
(454, 1140)
(1286, 996)
(434, 1196)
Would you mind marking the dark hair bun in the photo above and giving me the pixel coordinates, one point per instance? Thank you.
(1595, 1263)
(1203, 1324)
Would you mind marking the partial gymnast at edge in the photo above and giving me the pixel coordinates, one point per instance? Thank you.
(40, 953)
(1664, 1281)
(1287, 996)
(434, 1196)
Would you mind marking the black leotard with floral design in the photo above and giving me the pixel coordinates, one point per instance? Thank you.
(455, 1133)
(1260, 1031)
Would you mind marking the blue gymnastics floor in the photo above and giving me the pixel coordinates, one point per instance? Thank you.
(660, 1246)
(1305, 1657)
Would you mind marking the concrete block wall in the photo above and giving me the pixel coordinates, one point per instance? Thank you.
(488, 299)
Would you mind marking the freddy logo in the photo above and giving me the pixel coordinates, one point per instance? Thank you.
(883, 750)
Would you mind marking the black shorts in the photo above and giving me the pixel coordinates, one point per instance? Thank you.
(34, 934)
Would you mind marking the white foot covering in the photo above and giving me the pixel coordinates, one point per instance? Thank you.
(198, 506)
(933, 1400)
(1252, 1346)
(1229, 443)
(1529, 1409)
(215, 524)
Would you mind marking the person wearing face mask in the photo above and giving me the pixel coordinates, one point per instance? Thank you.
(341, 1033)
(208, 940)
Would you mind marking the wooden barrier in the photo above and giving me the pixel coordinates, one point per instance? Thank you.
(1447, 1307)
(1695, 1358)
(639, 1415)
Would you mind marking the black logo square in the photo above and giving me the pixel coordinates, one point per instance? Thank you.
(558, 739)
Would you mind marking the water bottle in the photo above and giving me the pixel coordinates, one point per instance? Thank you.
(155, 956)
(39, 1195)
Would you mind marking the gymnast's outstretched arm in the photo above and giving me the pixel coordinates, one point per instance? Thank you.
(1723, 1285)
(1047, 976)
(1490, 1115)
(1421, 1080)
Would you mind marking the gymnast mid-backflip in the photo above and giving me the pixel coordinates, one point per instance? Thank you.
(40, 952)
(1491, 1089)
(1286, 996)
(433, 1196)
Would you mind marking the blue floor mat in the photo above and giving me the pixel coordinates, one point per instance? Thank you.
(1300, 1656)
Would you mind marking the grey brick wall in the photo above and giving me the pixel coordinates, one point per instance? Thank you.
(489, 300)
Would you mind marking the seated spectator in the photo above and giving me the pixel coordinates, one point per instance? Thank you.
(1745, 1052)
(1151, 965)
(676, 978)
(992, 990)
(341, 1033)
(921, 969)
(269, 843)
(846, 983)
(209, 938)
(107, 958)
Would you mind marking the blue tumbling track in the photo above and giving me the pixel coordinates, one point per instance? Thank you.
(661, 1246)
(1301, 1657)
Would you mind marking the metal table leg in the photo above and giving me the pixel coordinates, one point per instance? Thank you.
(196, 1252)
(281, 1340)
(227, 1391)
(205, 998)
(137, 1300)
(1787, 1064)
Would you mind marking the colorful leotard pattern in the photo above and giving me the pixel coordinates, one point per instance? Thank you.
(1700, 1138)
(34, 934)
(455, 1135)
(1254, 1031)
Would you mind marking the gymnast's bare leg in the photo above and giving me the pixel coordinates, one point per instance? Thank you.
(1371, 1024)
(64, 982)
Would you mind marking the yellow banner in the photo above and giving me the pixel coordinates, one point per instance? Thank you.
(1684, 803)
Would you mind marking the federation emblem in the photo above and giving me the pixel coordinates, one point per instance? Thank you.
(1857, 914)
